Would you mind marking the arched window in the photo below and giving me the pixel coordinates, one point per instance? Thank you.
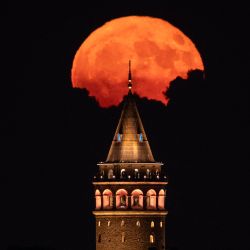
(101, 174)
(109, 223)
(151, 238)
(138, 224)
(99, 223)
(137, 174)
(151, 199)
(99, 238)
(161, 199)
(98, 200)
(123, 174)
(123, 237)
(161, 224)
(152, 224)
(121, 198)
(110, 174)
(107, 199)
(157, 174)
(137, 199)
(122, 223)
(148, 174)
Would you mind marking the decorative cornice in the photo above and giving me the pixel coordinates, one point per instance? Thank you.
(130, 213)
(130, 163)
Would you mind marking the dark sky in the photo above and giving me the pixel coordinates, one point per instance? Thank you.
(53, 135)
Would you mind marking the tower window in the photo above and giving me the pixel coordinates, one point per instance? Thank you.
(157, 173)
(99, 238)
(137, 175)
(102, 174)
(99, 223)
(151, 199)
(140, 137)
(110, 174)
(121, 199)
(98, 199)
(107, 199)
(123, 237)
(161, 224)
(151, 238)
(123, 173)
(122, 223)
(149, 174)
(137, 199)
(138, 224)
(152, 225)
(109, 223)
(161, 200)
(119, 137)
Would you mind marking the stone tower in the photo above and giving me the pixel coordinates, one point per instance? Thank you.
(130, 189)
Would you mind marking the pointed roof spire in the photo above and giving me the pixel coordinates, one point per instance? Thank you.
(129, 76)
(130, 143)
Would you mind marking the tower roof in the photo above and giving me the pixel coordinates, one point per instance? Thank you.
(130, 142)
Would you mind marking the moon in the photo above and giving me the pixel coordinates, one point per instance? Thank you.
(159, 52)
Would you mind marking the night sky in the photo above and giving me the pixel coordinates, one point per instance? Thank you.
(52, 135)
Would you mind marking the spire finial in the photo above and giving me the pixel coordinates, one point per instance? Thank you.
(129, 76)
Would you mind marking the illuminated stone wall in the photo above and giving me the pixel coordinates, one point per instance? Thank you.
(135, 231)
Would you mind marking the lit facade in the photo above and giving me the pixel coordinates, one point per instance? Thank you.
(130, 189)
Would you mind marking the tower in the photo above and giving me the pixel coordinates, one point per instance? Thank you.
(130, 188)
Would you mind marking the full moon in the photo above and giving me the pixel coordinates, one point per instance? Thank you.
(159, 52)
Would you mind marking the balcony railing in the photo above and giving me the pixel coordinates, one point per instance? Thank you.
(101, 177)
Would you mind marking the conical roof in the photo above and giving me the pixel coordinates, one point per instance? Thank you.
(130, 142)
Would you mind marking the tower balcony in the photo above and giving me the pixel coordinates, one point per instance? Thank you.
(114, 178)
(114, 172)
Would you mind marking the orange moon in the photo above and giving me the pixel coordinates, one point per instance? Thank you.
(159, 52)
